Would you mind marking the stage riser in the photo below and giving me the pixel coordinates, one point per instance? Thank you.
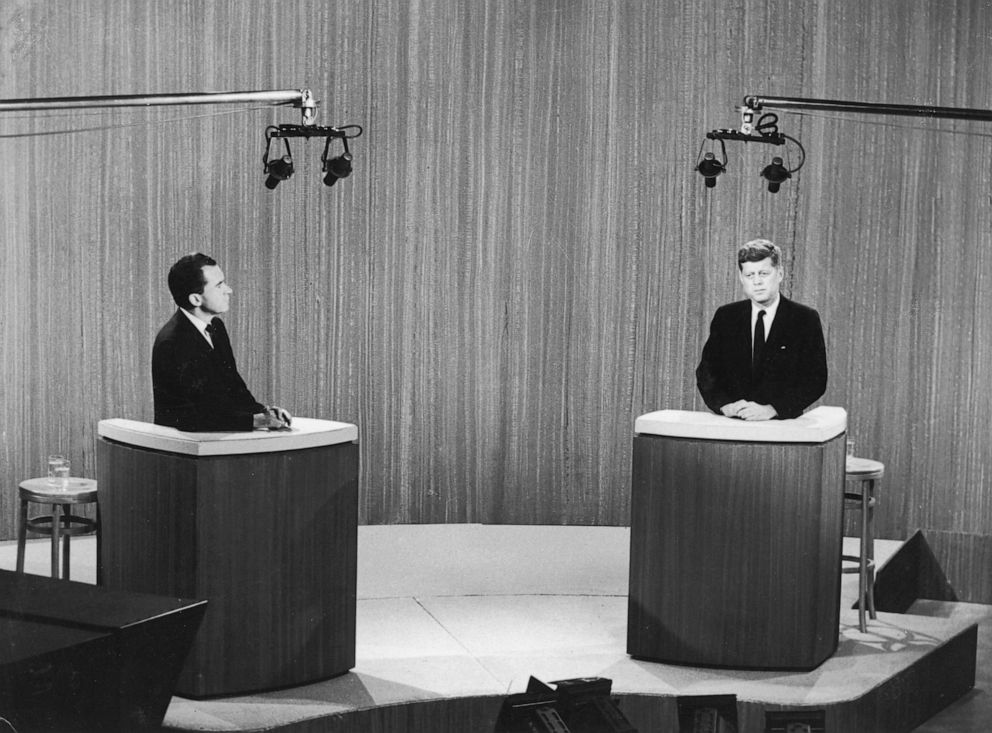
(898, 705)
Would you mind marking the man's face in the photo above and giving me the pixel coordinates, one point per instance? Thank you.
(761, 281)
(216, 296)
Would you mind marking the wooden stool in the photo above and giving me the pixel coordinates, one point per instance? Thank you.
(40, 491)
(867, 472)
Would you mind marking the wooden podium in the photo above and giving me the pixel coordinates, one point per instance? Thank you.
(735, 542)
(263, 525)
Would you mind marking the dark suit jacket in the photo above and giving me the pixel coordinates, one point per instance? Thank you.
(792, 374)
(196, 387)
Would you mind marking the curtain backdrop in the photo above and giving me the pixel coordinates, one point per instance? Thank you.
(523, 260)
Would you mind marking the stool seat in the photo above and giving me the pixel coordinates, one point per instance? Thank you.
(867, 473)
(76, 491)
(864, 468)
(61, 523)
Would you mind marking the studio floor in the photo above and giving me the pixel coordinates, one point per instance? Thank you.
(459, 610)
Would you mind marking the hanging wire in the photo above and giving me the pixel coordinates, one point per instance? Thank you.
(123, 125)
(877, 123)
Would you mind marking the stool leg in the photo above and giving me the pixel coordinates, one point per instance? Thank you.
(870, 538)
(863, 558)
(55, 541)
(67, 519)
(22, 535)
(99, 547)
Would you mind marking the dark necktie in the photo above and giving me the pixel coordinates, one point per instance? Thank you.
(759, 340)
(211, 329)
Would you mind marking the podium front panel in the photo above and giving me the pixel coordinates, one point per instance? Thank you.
(735, 551)
(269, 539)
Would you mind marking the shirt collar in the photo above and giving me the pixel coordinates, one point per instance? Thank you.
(200, 324)
(769, 310)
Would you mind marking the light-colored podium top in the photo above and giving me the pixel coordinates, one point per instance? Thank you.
(305, 433)
(816, 426)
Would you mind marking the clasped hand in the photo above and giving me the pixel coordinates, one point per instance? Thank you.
(274, 418)
(748, 410)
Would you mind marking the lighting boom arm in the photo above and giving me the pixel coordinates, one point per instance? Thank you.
(766, 130)
(755, 102)
(301, 98)
(276, 170)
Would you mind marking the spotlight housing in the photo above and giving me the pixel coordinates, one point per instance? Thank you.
(339, 167)
(335, 168)
(710, 168)
(278, 170)
(775, 173)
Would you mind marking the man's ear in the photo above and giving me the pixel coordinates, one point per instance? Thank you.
(195, 300)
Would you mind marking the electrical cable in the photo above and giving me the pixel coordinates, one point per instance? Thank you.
(876, 123)
(123, 126)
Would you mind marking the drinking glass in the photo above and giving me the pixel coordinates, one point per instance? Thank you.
(58, 471)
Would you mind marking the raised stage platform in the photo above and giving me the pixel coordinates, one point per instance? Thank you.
(453, 618)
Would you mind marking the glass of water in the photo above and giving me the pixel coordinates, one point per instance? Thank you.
(58, 471)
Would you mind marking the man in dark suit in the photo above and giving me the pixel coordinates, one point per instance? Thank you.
(765, 356)
(195, 378)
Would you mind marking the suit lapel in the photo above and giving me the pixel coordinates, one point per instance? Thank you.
(742, 330)
(190, 333)
(780, 326)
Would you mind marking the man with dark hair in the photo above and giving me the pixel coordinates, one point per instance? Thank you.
(765, 356)
(195, 378)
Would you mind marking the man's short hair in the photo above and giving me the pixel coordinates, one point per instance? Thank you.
(186, 277)
(756, 250)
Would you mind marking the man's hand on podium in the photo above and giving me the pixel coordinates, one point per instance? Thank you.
(274, 418)
(732, 409)
(747, 410)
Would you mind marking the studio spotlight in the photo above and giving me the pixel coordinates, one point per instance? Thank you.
(765, 131)
(278, 170)
(339, 167)
(775, 173)
(710, 168)
(335, 168)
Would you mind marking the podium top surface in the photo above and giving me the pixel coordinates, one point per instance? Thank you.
(305, 433)
(816, 426)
